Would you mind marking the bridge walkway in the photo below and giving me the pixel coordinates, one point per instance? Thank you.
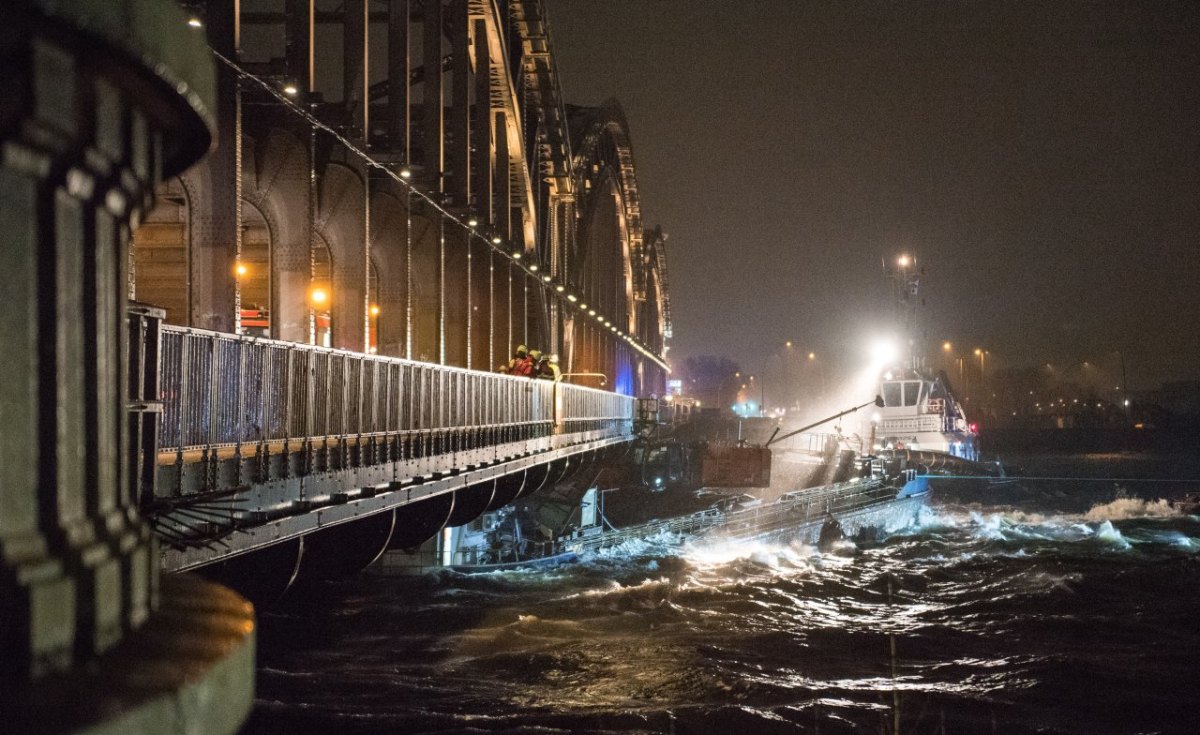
(246, 442)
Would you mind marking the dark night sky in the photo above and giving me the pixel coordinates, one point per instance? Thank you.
(1041, 159)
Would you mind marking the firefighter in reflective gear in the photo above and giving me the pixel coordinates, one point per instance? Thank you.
(520, 356)
(548, 368)
(529, 367)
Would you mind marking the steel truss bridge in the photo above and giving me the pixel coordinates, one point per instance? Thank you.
(318, 304)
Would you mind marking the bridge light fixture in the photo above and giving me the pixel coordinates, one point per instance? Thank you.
(496, 241)
(546, 278)
(406, 173)
(195, 22)
(533, 267)
(591, 312)
(472, 222)
(560, 288)
(318, 296)
(582, 305)
(374, 309)
(571, 297)
(240, 269)
(291, 91)
(516, 255)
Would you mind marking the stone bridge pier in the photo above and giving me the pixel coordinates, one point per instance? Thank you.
(101, 99)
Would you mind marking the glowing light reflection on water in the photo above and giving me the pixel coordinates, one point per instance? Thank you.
(1027, 616)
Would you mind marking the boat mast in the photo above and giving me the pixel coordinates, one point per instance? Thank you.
(904, 277)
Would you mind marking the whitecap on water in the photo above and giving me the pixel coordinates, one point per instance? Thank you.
(1109, 534)
(1125, 508)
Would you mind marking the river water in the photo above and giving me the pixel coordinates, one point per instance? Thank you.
(1051, 607)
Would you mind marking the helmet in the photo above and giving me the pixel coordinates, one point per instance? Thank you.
(522, 349)
(535, 354)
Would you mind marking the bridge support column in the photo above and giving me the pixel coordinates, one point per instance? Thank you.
(96, 113)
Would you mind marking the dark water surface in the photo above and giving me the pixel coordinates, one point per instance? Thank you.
(1064, 607)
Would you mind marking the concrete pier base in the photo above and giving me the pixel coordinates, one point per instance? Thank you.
(189, 669)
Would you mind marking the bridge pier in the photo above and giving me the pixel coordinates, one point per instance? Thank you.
(102, 99)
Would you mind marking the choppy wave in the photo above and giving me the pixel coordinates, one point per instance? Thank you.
(1125, 508)
(977, 618)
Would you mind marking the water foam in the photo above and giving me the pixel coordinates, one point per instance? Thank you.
(1125, 508)
(1107, 533)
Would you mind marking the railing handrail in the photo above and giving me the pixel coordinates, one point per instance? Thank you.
(304, 347)
(223, 389)
(850, 495)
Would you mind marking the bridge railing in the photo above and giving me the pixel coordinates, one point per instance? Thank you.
(222, 390)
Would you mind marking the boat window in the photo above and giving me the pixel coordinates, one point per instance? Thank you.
(891, 394)
(912, 390)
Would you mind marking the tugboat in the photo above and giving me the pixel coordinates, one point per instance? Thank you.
(921, 419)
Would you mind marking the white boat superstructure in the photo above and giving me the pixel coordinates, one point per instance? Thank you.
(921, 413)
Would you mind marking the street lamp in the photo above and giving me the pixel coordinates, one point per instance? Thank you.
(762, 384)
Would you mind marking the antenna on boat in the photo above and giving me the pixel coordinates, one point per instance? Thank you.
(905, 278)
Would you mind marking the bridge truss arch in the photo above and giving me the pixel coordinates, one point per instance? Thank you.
(447, 205)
